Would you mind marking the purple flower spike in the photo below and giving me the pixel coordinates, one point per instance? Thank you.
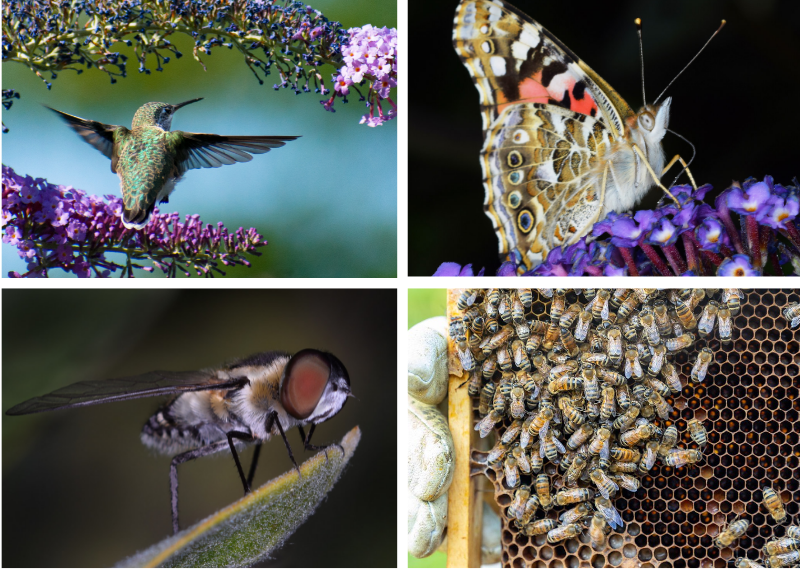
(664, 233)
(711, 235)
(781, 211)
(452, 269)
(753, 201)
(738, 265)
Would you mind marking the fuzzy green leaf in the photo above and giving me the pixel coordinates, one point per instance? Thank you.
(248, 530)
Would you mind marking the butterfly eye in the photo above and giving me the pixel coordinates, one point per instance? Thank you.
(304, 381)
(525, 221)
(647, 121)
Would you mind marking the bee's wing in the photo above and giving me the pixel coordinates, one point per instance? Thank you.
(156, 383)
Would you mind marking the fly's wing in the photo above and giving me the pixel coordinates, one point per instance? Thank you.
(206, 150)
(156, 383)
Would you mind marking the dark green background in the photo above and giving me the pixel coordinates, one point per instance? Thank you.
(737, 103)
(79, 488)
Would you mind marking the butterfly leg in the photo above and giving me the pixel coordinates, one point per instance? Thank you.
(638, 151)
(192, 455)
(685, 167)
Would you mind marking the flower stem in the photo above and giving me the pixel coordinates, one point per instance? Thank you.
(627, 255)
(714, 260)
(675, 260)
(594, 271)
(733, 233)
(691, 255)
(753, 242)
(794, 235)
(653, 256)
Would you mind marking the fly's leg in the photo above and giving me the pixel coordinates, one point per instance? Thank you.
(273, 419)
(253, 464)
(307, 441)
(199, 453)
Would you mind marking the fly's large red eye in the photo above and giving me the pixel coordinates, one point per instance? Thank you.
(305, 379)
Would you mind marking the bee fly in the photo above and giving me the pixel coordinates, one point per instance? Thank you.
(250, 400)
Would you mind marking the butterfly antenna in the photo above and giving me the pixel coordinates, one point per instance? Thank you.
(690, 62)
(690, 160)
(638, 22)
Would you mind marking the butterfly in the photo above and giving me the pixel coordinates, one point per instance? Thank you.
(561, 147)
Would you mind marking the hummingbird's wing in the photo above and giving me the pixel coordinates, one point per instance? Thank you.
(99, 135)
(205, 150)
(151, 384)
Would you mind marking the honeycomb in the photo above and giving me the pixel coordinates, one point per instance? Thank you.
(750, 405)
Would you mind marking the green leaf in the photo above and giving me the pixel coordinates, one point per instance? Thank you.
(248, 530)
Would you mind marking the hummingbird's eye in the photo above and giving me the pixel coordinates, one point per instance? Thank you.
(305, 378)
(647, 121)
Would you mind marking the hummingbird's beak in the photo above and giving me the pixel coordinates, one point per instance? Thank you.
(179, 105)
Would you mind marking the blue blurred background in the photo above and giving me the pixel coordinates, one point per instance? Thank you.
(326, 203)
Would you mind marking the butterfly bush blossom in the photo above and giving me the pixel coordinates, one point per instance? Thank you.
(59, 227)
(370, 55)
(749, 231)
(282, 38)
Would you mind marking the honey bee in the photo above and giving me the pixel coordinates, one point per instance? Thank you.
(470, 316)
(731, 533)
(500, 396)
(606, 507)
(632, 366)
(624, 421)
(466, 358)
(683, 341)
(624, 467)
(489, 367)
(783, 545)
(605, 485)
(671, 377)
(543, 491)
(493, 297)
(793, 531)
(523, 330)
(541, 422)
(565, 383)
(784, 560)
(533, 343)
(597, 531)
(724, 323)
(525, 296)
(744, 562)
(623, 396)
(678, 457)
(662, 407)
(624, 454)
(537, 461)
(634, 436)
(498, 452)
(627, 306)
(517, 310)
(662, 318)
(505, 308)
(570, 315)
(490, 310)
(600, 359)
(792, 314)
(629, 332)
(658, 386)
(474, 384)
(520, 355)
(491, 326)
(626, 481)
(705, 326)
(698, 433)
(511, 471)
(582, 327)
(685, 315)
(580, 436)
(557, 306)
(608, 403)
(517, 406)
(521, 496)
(540, 526)
(488, 422)
(503, 358)
(551, 336)
(701, 365)
(649, 456)
(573, 496)
(550, 446)
(466, 299)
(487, 395)
(610, 377)
(574, 471)
(563, 532)
(668, 440)
(511, 433)
(573, 414)
(523, 462)
(733, 299)
(650, 329)
(575, 514)
(569, 342)
(500, 338)
(600, 305)
(599, 441)
(614, 352)
(774, 505)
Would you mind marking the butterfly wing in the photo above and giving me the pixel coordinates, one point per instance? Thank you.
(547, 119)
(156, 383)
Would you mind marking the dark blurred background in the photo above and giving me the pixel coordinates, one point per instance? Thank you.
(736, 103)
(79, 488)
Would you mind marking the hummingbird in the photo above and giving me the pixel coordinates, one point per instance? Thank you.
(150, 159)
